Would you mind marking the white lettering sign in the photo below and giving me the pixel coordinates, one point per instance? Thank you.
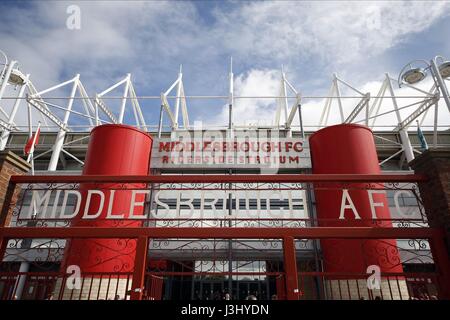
(185, 204)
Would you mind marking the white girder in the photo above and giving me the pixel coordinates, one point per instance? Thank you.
(326, 109)
(97, 106)
(5, 125)
(282, 101)
(87, 103)
(105, 109)
(283, 105)
(10, 124)
(32, 90)
(376, 103)
(180, 101)
(338, 94)
(124, 99)
(114, 86)
(140, 120)
(421, 109)
(166, 106)
(293, 111)
(361, 105)
(184, 110)
(47, 113)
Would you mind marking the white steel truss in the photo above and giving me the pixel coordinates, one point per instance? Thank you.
(97, 109)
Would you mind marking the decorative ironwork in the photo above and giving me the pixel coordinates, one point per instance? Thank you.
(41, 254)
(298, 219)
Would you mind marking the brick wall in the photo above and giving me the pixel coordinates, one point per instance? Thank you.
(10, 164)
(435, 193)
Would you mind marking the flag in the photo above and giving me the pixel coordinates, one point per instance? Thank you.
(423, 142)
(32, 142)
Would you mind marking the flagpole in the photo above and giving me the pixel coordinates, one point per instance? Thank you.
(24, 265)
(30, 129)
(423, 141)
(31, 154)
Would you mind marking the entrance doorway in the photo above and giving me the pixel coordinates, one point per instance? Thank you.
(218, 288)
(208, 289)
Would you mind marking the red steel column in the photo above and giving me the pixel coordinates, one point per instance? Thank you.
(350, 149)
(290, 268)
(113, 150)
(137, 288)
(442, 263)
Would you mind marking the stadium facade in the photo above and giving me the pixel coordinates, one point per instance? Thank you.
(107, 210)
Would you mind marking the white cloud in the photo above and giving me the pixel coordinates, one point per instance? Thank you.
(144, 36)
(254, 83)
(331, 31)
(114, 39)
(150, 39)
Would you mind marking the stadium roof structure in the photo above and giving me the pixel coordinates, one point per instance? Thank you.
(79, 111)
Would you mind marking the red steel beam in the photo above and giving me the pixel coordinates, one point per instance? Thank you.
(140, 261)
(278, 178)
(441, 260)
(222, 233)
(290, 267)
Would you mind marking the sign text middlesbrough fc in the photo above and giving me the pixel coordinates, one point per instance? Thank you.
(252, 153)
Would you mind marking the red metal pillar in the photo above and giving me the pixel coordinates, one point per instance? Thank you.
(350, 149)
(442, 263)
(114, 150)
(6, 206)
(3, 242)
(281, 287)
(140, 262)
(290, 268)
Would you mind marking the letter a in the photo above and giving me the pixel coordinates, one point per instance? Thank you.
(350, 205)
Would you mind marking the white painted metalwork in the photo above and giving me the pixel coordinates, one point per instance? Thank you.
(80, 111)
(230, 98)
(179, 101)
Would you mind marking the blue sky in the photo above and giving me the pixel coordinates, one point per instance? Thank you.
(360, 41)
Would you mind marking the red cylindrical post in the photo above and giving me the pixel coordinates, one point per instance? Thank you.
(114, 150)
(350, 149)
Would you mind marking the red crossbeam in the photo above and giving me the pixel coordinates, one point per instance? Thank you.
(278, 178)
(223, 233)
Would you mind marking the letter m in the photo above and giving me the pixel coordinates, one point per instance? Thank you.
(164, 146)
(37, 201)
(294, 159)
